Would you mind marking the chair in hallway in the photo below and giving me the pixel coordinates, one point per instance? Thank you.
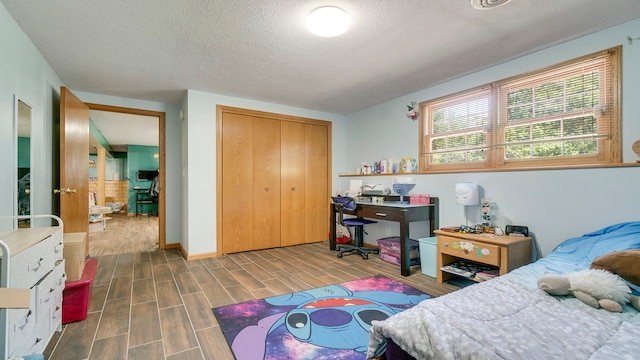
(342, 203)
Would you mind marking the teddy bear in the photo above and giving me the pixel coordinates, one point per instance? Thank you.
(597, 288)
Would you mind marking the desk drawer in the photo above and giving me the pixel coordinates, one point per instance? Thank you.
(381, 213)
(470, 250)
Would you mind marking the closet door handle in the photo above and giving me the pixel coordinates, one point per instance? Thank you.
(267, 189)
(293, 188)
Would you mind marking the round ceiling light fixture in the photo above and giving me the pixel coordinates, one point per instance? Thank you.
(328, 21)
(487, 4)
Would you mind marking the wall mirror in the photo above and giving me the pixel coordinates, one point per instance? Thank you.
(23, 200)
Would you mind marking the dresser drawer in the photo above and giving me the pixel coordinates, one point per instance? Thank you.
(29, 266)
(470, 250)
(21, 327)
(380, 213)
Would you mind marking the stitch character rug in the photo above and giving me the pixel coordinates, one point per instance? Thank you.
(331, 322)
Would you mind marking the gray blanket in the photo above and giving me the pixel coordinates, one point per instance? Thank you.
(506, 319)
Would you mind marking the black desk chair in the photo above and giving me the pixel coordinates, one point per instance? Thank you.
(349, 204)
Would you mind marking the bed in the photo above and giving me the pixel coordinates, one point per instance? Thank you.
(510, 318)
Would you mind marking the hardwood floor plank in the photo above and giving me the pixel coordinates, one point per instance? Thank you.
(144, 290)
(191, 354)
(178, 265)
(162, 272)
(187, 283)
(247, 279)
(145, 324)
(104, 271)
(223, 276)
(154, 350)
(142, 270)
(115, 318)
(278, 287)
(110, 348)
(213, 344)
(97, 297)
(258, 272)
(239, 293)
(158, 257)
(229, 263)
(177, 333)
(76, 339)
(124, 264)
(199, 310)
(168, 294)
(120, 287)
(216, 294)
(202, 274)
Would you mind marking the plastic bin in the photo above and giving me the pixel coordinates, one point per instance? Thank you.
(75, 297)
(428, 256)
(389, 250)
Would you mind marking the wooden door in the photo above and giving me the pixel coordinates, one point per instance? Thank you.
(292, 145)
(74, 163)
(250, 182)
(317, 189)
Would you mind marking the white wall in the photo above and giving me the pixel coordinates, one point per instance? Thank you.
(554, 204)
(24, 73)
(200, 172)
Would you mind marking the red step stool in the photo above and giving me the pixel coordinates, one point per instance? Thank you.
(75, 296)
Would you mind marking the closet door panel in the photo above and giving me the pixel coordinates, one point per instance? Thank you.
(266, 183)
(237, 183)
(293, 183)
(316, 183)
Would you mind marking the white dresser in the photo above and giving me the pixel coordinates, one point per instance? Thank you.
(35, 262)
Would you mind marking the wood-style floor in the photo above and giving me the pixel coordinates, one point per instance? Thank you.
(125, 234)
(155, 305)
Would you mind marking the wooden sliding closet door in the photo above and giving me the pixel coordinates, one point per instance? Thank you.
(250, 183)
(317, 188)
(305, 187)
(274, 180)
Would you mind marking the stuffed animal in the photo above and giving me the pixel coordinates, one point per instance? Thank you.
(594, 287)
(624, 263)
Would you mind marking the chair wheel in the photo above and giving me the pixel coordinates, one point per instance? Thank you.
(365, 256)
(339, 255)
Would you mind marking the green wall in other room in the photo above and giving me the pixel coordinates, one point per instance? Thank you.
(24, 152)
(141, 158)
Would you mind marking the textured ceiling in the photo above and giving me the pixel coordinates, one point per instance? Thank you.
(156, 49)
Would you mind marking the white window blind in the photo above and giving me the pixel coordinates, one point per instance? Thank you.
(565, 115)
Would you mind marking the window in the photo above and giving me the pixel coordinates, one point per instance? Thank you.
(563, 116)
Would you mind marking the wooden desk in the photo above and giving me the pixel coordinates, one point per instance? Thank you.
(391, 211)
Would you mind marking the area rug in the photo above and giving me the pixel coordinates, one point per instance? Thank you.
(330, 322)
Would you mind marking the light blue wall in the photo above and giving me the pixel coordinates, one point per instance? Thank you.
(554, 204)
(26, 75)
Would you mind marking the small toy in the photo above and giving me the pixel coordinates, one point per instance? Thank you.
(594, 287)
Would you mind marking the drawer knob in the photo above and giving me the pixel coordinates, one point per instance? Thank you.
(445, 244)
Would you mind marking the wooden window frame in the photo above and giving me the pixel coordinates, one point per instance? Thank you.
(609, 138)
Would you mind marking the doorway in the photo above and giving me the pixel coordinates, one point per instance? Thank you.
(127, 226)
